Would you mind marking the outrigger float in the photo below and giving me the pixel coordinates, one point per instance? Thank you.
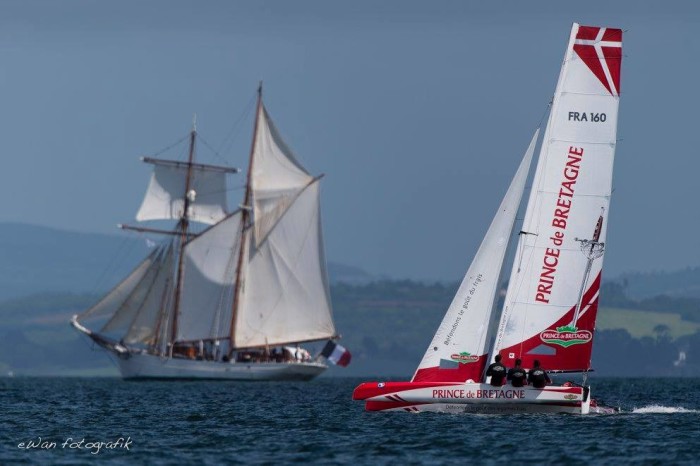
(551, 303)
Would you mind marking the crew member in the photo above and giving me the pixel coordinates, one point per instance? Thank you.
(497, 371)
(537, 376)
(517, 375)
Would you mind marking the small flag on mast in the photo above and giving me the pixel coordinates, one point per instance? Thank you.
(336, 354)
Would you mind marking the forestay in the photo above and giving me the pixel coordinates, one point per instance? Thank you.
(568, 203)
(458, 351)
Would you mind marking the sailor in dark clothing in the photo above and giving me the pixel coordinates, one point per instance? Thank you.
(517, 375)
(537, 376)
(497, 371)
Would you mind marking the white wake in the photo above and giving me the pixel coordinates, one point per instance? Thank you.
(653, 409)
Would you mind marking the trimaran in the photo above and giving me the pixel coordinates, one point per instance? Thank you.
(552, 298)
(235, 300)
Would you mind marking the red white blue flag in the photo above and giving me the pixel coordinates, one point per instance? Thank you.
(336, 354)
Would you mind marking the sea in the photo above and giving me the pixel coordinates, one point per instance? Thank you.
(76, 421)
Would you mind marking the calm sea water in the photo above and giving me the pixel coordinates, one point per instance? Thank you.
(316, 422)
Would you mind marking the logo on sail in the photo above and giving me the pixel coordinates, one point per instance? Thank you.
(601, 50)
(566, 336)
(464, 358)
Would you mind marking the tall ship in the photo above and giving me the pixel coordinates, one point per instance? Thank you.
(237, 297)
(548, 315)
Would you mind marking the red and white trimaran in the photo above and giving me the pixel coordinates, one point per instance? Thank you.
(552, 299)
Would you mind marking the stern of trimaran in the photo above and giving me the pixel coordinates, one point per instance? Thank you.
(551, 303)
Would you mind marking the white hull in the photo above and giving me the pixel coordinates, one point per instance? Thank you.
(139, 366)
(472, 398)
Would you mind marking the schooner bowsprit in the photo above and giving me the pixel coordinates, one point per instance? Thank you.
(236, 300)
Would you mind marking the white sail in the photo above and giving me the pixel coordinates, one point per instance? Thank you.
(125, 302)
(285, 296)
(164, 199)
(108, 306)
(568, 203)
(155, 303)
(458, 351)
(276, 177)
(209, 275)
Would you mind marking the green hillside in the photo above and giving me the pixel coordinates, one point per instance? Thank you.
(643, 323)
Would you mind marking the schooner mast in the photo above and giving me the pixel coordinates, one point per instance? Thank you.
(246, 208)
(187, 199)
(183, 225)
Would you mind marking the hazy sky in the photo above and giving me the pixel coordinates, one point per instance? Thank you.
(418, 113)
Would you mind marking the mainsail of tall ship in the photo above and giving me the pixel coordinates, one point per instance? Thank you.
(551, 301)
(247, 289)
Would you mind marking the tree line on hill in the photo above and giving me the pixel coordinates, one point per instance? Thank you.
(386, 324)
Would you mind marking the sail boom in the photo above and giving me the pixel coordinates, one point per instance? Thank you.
(154, 230)
(290, 342)
(193, 165)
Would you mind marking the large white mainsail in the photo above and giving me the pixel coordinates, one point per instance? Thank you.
(458, 351)
(557, 268)
(206, 292)
(284, 294)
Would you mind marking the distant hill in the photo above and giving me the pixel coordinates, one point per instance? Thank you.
(46, 275)
(386, 325)
(35, 259)
(679, 283)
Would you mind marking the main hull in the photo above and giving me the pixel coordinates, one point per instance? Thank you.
(142, 366)
(472, 398)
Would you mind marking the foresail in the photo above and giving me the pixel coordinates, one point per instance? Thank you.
(206, 293)
(552, 299)
(458, 351)
(276, 178)
(164, 199)
(113, 301)
(124, 303)
(285, 296)
(154, 304)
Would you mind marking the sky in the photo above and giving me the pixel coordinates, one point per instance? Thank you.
(418, 112)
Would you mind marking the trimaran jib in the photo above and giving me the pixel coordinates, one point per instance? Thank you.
(552, 298)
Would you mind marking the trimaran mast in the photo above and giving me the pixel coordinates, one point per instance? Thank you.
(245, 218)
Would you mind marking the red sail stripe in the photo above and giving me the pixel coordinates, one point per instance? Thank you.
(575, 357)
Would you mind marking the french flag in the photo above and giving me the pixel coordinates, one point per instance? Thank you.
(336, 354)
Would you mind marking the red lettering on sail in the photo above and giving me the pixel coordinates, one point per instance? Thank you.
(561, 212)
